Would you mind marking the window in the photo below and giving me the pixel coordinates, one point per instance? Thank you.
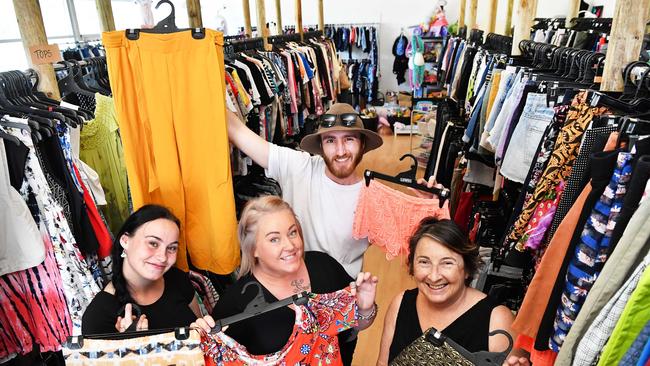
(88, 18)
(56, 19)
(11, 46)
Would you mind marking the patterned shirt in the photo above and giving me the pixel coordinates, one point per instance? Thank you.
(313, 341)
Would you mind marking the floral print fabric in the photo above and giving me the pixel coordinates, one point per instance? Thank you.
(313, 341)
(557, 170)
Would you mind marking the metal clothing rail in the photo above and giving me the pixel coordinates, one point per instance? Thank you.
(351, 24)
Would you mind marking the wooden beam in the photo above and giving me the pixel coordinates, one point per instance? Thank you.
(105, 11)
(524, 14)
(299, 17)
(494, 4)
(194, 13)
(473, 10)
(246, 7)
(261, 21)
(32, 32)
(508, 30)
(461, 15)
(278, 14)
(321, 16)
(625, 41)
(574, 9)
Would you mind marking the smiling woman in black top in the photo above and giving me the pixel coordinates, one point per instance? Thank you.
(143, 255)
(273, 256)
(443, 263)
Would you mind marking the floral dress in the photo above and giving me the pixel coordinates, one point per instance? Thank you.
(313, 341)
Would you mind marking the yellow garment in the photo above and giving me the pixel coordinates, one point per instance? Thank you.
(169, 92)
(494, 89)
(241, 90)
(101, 149)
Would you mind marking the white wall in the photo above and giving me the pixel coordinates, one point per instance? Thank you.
(391, 14)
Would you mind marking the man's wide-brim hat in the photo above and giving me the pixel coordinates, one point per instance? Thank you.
(312, 143)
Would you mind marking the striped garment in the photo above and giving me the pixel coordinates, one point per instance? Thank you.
(592, 250)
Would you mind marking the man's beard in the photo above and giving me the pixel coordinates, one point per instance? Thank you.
(342, 172)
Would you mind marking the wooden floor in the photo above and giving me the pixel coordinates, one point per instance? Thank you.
(393, 276)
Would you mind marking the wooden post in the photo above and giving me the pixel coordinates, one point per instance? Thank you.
(461, 14)
(32, 32)
(299, 17)
(625, 41)
(574, 8)
(494, 4)
(508, 30)
(194, 13)
(321, 16)
(261, 21)
(472, 20)
(524, 16)
(248, 30)
(105, 11)
(278, 13)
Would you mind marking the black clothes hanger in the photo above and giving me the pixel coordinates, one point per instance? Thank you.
(68, 84)
(630, 129)
(167, 25)
(77, 342)
(32, 127)
(259, 306)
(407, 179)
(8, 137)
(436, 344)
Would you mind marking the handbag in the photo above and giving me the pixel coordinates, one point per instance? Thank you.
(433, 348)
(344, 81)
(178, 347)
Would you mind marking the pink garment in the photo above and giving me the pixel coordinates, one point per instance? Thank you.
(542, 219)
(388, 217)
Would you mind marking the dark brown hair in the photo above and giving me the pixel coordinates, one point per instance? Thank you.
(140, 217)
(447, 233)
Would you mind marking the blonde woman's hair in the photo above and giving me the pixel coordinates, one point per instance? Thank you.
(248, 224)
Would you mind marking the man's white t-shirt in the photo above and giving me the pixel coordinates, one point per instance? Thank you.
(324, 208)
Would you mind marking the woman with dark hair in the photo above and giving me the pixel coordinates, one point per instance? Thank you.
(443, 263)
(146, 291)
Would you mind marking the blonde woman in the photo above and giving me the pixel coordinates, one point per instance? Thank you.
(273, 255)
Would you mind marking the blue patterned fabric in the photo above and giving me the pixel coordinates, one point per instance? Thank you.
(592, 251)
(633, 355)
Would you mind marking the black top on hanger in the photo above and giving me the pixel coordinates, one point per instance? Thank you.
(481, 358)
(259, 306)
(407, 179)
(167, 25)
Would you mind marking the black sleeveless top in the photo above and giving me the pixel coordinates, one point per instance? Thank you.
(470, 330)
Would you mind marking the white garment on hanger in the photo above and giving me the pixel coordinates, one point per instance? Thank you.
(88, 174)
(21, 244)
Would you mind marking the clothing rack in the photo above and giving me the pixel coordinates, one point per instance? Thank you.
(352, 24)
(294, 37)
(498, 43)
(230, 48)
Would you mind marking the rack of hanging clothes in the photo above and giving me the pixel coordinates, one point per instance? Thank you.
(583, 33)
(581, 227)
(568, 166)
(360, 42)
(506, 105)
(82, 50)
(279, 93)
(57, 249)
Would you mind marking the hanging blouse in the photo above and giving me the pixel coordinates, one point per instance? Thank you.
(312, 342)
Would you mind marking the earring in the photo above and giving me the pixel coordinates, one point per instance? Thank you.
(123, 255)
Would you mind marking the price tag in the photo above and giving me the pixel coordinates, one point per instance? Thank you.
(69, 106)
(45, 54)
